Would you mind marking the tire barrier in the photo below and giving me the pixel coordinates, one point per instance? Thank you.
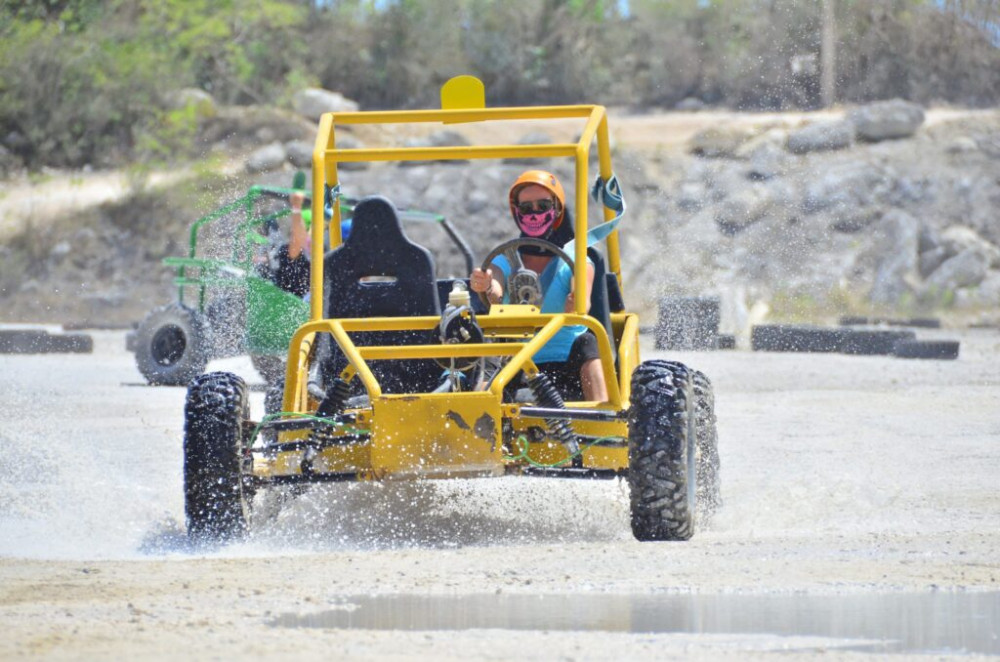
(926, 349)
(915, 322)
(40, 341)
(901, 343)
(873, 342)
(795, 338)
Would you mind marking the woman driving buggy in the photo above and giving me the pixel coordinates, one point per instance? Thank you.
(538, 206)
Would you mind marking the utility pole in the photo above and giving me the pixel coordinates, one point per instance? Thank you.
(828, 56)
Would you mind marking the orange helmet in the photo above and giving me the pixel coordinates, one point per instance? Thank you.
(547, 181)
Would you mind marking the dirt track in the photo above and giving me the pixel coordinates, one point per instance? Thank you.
(864, 476)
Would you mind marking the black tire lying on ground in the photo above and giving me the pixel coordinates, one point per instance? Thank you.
(662, 450)
(792, 338)
(217, 494)
(172, 345)
(926, 349)
(872, 342)
(40, 341)
(917, 322)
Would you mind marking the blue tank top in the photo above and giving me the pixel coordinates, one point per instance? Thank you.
(556, 281)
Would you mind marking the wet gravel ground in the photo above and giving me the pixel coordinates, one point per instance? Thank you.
(851, 485)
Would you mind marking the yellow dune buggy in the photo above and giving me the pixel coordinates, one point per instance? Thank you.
(398, 375)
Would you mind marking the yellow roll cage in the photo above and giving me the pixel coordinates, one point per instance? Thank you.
(462, 101)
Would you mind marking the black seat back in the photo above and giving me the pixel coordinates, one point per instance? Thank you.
(378, 272)
(600, 308)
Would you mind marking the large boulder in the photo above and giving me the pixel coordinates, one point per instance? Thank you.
(886, 119)
(846, 188)
(746, 206)
(959, 238)
(821, 136)
(966, 269)
(314, 101)
(720, 141)
(267, 158)
(897, 237)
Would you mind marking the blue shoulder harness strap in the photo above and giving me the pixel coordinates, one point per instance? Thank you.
(609, 194)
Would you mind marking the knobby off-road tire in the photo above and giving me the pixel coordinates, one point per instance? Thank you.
(217, 493)
(172, 345)
(709, 487)
(662, 448)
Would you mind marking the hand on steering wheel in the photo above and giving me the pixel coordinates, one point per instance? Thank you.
(522, 285)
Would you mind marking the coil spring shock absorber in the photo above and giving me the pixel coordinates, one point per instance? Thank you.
(547, 396)
(336, 398)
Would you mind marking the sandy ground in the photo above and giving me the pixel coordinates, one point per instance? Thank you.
(842, 476)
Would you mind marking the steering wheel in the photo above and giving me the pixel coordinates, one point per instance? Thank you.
(523, 285)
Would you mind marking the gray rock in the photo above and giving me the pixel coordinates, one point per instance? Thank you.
(766, 162)
(744, 208)
(896, 244)
(959, 238)
(448, 138)
(966, 269)
(313, 102)
(193, 96)
(962, 145)
(886, 120)
(931, 260)
(721, 141)
(60, 250)
(988, 291)
(852, 220)
(930, 238)
(690, 105)
(265, 159)
(299, 153)
(821, 136)
(846, 188)
(691, 196)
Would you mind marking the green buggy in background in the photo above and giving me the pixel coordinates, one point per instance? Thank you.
(227, 305)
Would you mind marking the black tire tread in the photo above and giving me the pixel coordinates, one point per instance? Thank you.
(659, 456)
(216, 492)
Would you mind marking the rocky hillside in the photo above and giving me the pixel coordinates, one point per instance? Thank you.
(885, 208)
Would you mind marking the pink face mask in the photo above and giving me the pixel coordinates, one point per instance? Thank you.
(536, 224)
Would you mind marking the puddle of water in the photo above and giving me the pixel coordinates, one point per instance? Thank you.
(938, 622)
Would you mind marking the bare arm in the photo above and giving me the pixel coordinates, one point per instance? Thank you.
(298, 238)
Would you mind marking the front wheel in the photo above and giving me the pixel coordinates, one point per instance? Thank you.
(662, 451)
(217, 491)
